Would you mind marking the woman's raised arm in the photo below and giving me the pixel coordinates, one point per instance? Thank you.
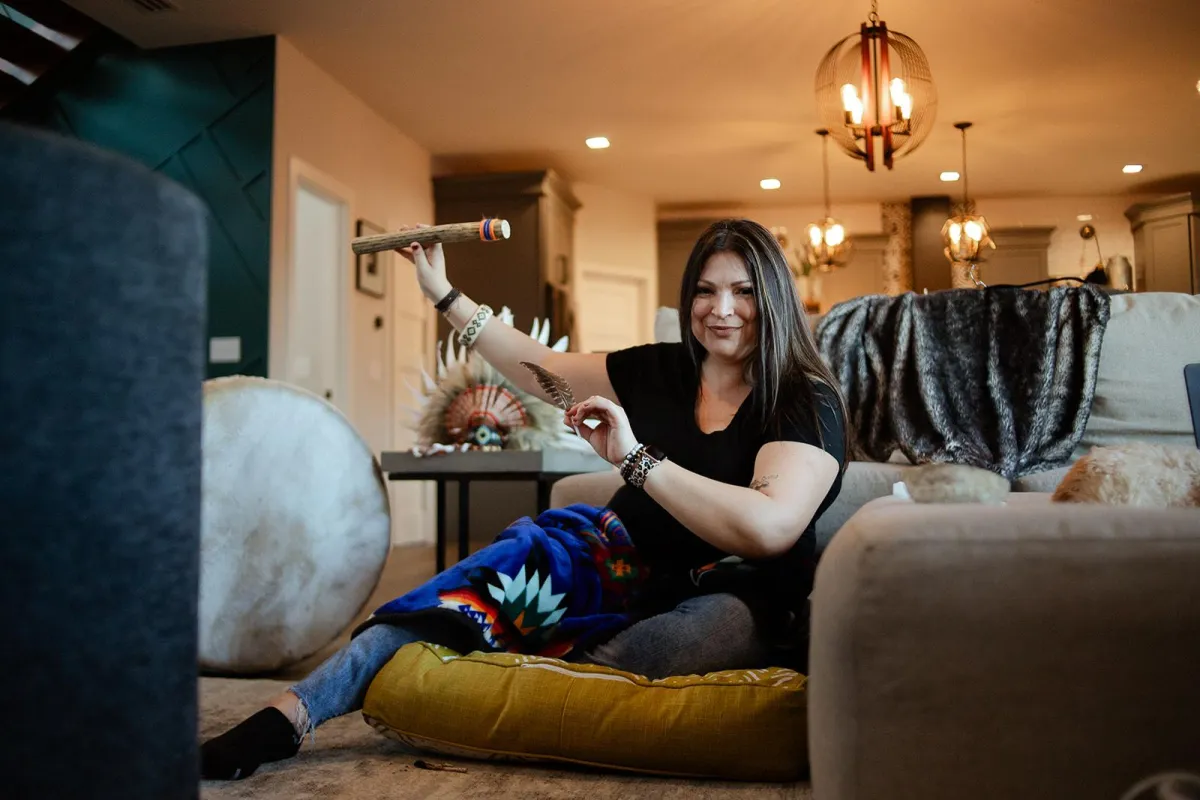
(505, 346)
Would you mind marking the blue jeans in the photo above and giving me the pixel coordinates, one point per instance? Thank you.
(704, 634)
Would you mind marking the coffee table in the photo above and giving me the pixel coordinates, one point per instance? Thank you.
(543, 466)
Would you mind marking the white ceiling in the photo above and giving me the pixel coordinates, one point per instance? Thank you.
(701, 99)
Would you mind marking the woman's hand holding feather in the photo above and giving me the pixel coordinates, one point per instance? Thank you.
(613, 438)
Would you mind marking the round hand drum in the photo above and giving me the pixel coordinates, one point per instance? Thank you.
(296, 525)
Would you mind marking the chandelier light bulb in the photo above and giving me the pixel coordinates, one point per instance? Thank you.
(901, 99)
(852, 105)
(835, 235)
(973, 230)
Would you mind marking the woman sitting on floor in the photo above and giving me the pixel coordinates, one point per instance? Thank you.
(731, 443)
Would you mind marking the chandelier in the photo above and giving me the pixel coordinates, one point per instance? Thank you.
(826, 247)
(966, 234)
(875, 93)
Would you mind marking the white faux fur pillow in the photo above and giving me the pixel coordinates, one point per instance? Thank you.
(1146, 475)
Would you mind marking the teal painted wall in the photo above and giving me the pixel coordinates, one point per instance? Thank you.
(204, 116)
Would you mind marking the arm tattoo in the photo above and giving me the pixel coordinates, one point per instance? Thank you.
(759, 484)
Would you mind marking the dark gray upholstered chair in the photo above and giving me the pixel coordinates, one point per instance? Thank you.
(102, 324)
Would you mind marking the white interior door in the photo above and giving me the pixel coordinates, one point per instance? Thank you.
(316, 311)
(615, 310)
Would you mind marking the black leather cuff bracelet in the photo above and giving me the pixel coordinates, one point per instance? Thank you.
(444, 304)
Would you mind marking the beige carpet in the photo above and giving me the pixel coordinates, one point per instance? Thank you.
(349, 759)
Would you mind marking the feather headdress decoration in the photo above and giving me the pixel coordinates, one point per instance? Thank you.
(471, 406)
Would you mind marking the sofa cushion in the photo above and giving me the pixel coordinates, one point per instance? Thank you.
(590, 488)
(666, 325)
(1140, 391)
(736, 725)
(863, 482)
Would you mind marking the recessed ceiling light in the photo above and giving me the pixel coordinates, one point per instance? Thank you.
(770, 183)
(1084, 218)
(949, 177)
(1129, 169)
(597, 142)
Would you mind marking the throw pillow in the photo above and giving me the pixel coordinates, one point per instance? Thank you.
(1136, 474)
(733, 725)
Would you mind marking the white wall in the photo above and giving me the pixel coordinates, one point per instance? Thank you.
(322, 126)
(1108, 217)
(616, 259)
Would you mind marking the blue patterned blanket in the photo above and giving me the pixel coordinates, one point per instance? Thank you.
(543, 587)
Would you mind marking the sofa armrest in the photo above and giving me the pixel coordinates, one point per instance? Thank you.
(591, 488)
(1031, 650)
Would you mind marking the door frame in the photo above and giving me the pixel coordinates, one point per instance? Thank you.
(303, 174)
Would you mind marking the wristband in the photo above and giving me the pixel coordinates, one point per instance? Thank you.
(644, 459)
(475, 326)
(444, 304)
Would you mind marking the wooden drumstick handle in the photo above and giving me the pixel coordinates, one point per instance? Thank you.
(487, 230)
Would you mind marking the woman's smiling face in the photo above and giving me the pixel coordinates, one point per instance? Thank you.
(724, 312)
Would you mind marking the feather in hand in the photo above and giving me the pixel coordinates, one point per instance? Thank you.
(553, 385)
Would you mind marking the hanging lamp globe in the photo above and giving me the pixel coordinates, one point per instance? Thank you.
(875, 93)
(966, 235)
(826, 246)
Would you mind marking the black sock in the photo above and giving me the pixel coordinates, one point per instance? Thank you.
(267, 736)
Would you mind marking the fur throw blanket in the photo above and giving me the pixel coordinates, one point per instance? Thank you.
(999, 378)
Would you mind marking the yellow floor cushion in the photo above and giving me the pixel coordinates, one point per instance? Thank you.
(735, 725)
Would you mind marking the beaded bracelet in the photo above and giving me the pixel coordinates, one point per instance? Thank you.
(629, 457)
(475, 326)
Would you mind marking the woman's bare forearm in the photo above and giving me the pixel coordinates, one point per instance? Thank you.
(506, 346)
(734, 519)
(759, 521)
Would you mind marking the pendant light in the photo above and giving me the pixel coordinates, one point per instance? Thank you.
(826, 246)
(966, 235)
(875, 93)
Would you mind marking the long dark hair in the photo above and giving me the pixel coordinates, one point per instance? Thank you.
(786, 359)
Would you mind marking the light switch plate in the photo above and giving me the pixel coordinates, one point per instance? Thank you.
(225, 350)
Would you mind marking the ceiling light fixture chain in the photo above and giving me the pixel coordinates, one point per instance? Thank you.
(824, 134)
(968, 206)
